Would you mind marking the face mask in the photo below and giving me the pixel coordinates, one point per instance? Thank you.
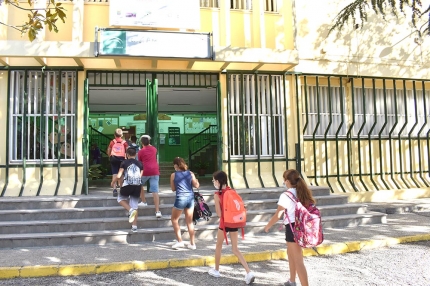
(284, 184)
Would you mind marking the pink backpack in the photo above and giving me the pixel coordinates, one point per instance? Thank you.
(308, 226)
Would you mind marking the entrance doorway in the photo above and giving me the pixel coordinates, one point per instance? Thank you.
(182, 118)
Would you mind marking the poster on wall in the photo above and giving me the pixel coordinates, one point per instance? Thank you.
(174, 136)
(184, 14)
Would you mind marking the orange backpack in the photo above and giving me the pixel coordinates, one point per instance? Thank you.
(233, 211)
(118, 148)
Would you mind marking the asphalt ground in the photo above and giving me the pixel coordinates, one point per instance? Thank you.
(401, 264)
(97, 259)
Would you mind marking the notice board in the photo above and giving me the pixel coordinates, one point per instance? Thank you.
(174, 136)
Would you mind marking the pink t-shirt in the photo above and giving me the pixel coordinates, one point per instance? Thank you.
(148, 156)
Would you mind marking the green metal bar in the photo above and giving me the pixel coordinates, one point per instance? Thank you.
(257, 129)
(42, 132)
(219, 124)
(243, 139)
(390, 134)
(405, 100)
(6, 179)
(327, 129)
(59, 132)
(419, 132)
(75, 133)
(228, 128)
(85, 151)
(316, 126)
(349, 139)
(272, 129)
(299, 155)
(24, 134)
(410, 132)
(381, 167)
(284, 100)
(155, 140)
(369, 136)
(342, 97)
(360, 76)
(365, 174)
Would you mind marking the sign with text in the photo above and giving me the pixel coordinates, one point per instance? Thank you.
(155, 44)
(183, 14)
(174, 136)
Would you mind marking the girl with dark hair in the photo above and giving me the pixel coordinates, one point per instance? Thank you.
(297, 186)
(182, 182)
(220, 183)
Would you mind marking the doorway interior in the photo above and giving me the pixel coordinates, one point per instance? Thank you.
(187, 122)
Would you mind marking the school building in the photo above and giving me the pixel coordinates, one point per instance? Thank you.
(252, 87)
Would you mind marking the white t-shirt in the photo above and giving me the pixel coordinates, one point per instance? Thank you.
(288, 204)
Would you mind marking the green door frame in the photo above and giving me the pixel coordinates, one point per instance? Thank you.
(218, 122)
(152, 111)
(85, 140)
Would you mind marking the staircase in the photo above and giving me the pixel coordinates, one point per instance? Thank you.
(98, 219)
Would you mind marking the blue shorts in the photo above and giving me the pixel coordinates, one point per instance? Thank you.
(184, 202)
(153, 182)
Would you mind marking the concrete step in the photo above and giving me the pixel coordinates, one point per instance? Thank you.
(203, 231)
(350, 220)
(49, 202)
(116, 218)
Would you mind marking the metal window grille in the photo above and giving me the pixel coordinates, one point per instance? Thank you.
(380, 111)
(322, 111)
(241, 4)
(209, 3)
(256, 115)
(271, 5)
(42, 116)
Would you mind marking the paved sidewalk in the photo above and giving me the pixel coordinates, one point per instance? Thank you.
(92, 259)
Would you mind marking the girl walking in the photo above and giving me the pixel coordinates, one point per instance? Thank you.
(297, 186)
(182, 182)
(219, 181)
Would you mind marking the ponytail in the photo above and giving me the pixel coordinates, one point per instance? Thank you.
(304, 194)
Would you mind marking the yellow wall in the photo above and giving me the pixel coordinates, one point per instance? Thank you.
(244, 26)
(361, 158)
(381, 48)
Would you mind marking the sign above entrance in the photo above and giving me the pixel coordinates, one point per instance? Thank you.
(183, 14)
(154, 44)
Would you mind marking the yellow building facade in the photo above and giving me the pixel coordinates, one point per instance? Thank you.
(280, 93)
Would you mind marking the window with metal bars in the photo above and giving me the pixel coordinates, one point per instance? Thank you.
(42, 116)
(324, 111)
(385, 112)
(241, 4)
(256, 115)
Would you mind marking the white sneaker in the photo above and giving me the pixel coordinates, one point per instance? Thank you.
(131, 215)
(142, 204)
(158, 214)
(249, 278)
(191, 246)
(178, 245)
(133, 229)
(213, 272)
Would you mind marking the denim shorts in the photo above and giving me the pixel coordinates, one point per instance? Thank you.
(184, 202)
(153, 182)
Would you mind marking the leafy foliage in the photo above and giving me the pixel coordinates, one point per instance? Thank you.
(37, 18)
(360, 9)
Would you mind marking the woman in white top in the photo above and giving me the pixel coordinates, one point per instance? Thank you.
(297, 186)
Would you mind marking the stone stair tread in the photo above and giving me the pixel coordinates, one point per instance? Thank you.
(114, 232)
(348, 216)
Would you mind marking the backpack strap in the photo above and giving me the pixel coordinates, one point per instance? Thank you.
(295, 200)
(221, 219)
